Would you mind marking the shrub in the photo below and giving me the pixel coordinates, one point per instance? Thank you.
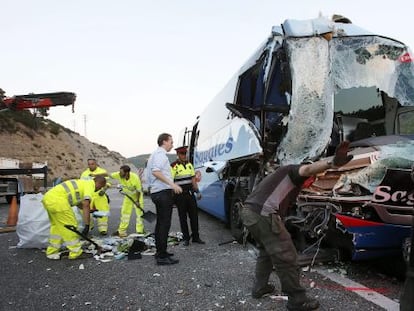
(54, 129)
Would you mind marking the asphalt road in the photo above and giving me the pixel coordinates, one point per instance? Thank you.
(208, 277)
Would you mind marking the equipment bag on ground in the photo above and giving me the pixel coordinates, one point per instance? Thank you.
(33, 223)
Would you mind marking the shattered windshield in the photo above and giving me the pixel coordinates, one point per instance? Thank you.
(321, 68)
(373, 61)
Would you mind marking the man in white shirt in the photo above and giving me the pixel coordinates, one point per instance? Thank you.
(162, 188)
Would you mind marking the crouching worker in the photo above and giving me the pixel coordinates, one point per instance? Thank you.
(58, 203)
(100, 199)
(262, 214)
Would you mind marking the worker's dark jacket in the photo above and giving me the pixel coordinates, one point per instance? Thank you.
(276, 192)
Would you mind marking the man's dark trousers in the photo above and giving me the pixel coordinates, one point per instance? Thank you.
(187, 205)
(163, 201)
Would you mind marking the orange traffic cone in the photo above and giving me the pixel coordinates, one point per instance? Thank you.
(12, 218)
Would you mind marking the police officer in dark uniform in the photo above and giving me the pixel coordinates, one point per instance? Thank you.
(184, 176)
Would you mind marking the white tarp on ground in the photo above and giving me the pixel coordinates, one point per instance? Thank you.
(33, 222)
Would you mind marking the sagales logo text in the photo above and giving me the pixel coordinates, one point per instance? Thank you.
(383, 194)
(201, 157)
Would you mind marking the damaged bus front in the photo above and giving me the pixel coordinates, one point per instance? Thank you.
(309, 86)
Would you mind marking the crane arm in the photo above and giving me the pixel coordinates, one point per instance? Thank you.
(45, 100)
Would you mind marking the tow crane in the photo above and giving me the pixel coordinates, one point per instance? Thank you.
(9, 182)
(37, 101)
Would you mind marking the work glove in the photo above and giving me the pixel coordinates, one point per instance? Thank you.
(85, 230)
(341, 154)
(92, 212)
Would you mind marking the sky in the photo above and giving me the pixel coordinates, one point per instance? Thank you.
(140, 68)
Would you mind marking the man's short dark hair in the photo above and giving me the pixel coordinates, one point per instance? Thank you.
(100, 179)
(125, 168)
(163, 137)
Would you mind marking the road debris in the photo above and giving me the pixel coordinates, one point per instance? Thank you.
(131, 247)
(279, 297)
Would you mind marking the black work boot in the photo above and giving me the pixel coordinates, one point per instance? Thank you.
(198, 241)
(308, 305)
(265, 290)
(166, 261)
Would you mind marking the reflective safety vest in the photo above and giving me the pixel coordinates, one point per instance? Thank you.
(74, 190)
(88, 174)
(183, 174)
(130, 185)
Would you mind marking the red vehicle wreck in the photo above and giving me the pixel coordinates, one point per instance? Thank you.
(370, 202)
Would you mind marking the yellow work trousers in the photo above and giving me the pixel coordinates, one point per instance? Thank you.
(126, 211)
(101, 204)
(61, 214)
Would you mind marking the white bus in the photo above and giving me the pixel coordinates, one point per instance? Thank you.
(310, 85)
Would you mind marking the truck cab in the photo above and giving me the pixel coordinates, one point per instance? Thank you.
(17, 178)
(10, 187)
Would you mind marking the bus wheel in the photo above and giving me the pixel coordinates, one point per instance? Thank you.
(236, 224)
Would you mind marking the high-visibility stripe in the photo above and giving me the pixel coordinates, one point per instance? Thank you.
(183, 182)
(77, 193)
(65, 186)
(130, 190)
(76, 249)
(102, 225)
(69, 192)
(184, 173)
(125, 217)
(54, 237)
(183, 176)
(55, 256)
(54, 245)
(73, 242)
